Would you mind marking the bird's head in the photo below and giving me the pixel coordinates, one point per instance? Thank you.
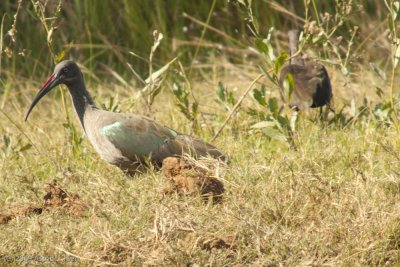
(66, 72)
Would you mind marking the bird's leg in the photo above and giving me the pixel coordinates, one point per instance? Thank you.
(321, 113)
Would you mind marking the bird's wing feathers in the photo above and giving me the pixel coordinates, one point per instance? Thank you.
(308, 81)
(139, 137)
(136, 136)
(184, 144)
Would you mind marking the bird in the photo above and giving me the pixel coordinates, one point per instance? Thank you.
(129, 141)
(312, 86)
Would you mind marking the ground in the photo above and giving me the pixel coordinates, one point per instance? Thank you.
(331, 200)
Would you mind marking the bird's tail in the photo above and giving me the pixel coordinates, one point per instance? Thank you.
(184, 144)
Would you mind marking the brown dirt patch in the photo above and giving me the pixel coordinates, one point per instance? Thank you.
(226, 242)
(187, 178)
(20, 211)
(55, 198)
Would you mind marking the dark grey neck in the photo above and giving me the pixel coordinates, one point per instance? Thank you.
(293, 46)
(82, 101)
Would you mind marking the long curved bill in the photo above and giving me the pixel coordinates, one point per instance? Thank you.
(50, 83)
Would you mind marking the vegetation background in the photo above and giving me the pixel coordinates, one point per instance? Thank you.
(302, 189)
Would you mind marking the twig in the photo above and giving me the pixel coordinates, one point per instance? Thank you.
(388, 149)
(83, 258)
(283, 10)
(202, 36)
(211, 28)
(234, 50)
(237, 105)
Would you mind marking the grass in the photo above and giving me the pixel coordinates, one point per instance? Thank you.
(96, 31)
(328, 196)
(333, 201)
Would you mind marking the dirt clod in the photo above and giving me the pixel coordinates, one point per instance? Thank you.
(55, 197)
(186, 178)
(20, 212)
(227, 242)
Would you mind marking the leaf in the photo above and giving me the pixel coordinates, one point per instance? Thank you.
(50, 34)
(274, 134)
(397, 54)
(111, 104)
(288, 87)
(6, 140)
(279, 61)
(158, 36)
(395, 9)
(262, 45)
(282, 123)
(231, 100)
(195, 112)
(184, 110)
(224, 96)
(379, 91)
(263, 124)
(271, 54)
(221, 92)
(154, 93)
(317, 38)
(159, 72)
(345, 71)
(273, 106)
(381, 74)
(60, 56)
(381, 114)
(259, 115)
(259, 96)
(242, 2)
(63, 53)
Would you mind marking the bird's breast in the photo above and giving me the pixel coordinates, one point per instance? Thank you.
(103, 146)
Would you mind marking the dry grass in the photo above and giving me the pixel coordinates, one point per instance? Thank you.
(333, 201)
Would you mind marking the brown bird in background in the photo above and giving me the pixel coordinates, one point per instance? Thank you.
(312, 87)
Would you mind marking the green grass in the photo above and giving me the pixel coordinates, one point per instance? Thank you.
(105, 32)
(333, 201)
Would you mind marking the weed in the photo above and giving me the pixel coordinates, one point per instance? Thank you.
(186, 107)
(225, 97)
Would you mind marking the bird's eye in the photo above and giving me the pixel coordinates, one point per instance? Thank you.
(65, 70)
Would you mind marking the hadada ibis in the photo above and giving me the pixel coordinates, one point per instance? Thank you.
(312, 87)
(128, 141)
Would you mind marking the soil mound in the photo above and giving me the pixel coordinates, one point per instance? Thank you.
(55, 198)
(187, 177)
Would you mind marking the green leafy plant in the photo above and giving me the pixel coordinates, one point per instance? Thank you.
(272, 121)
(153, 83)
(190, 109)
(13, 148)
(380, 111)
(225, 97)
(74, 138)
